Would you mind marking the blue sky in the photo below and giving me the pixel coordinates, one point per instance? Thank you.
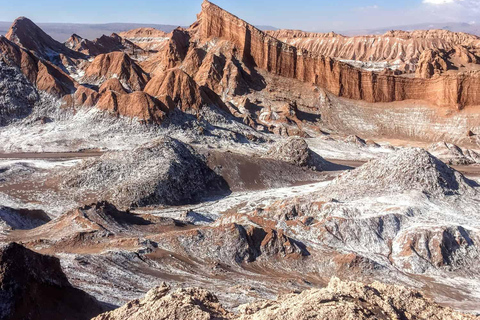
(302, 14)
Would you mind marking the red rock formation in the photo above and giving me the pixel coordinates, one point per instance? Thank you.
(14, 55)
(436, 61)
(179, 87)
(171, 55)
(46, 76)
(142, 33)
(85, 96)
(135, 105)
(117, 65)
(104, 44)
(149, 39)
(74, 41)
(399, 48)
(53, 80)
(268, 53)
(29, 36)
(432, 61)
(113, 85)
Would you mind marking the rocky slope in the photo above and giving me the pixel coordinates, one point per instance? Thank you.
(164, 169)
(164, 303)
(161, 172)
(453, 154)
(42, 73)
(296, 152)
(33, 286)
(384, 216)
(116, 65)
(339, 300)
(15, 219)
(411, 169)
(17, 95)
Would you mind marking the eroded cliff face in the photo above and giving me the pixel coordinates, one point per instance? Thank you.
(395, 49)
(341, 79)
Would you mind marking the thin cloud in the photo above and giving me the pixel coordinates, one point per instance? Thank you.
(438, 1)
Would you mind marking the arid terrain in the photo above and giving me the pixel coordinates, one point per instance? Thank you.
(220, 171)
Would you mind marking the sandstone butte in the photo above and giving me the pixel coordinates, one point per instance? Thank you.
(341, 79)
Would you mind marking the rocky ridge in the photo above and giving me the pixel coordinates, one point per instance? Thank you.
(285, 60)
(17, 95)
(408, 47)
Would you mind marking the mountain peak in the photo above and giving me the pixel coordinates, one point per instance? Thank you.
(23, 25)
(27, 34)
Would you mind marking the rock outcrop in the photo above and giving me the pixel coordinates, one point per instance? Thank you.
(138, 105)
(234, 244)
(117, 65)
(351, 300)
(297, 152)
(102, 45)
(172, 53)
(84, 96)
(165, 303)
(339, 300)
(436, 61)
(431, 62)
(453, 154)
(149, 39)
(33, 286)
(177, 89)
(112, 84)
(162, 172)
(42, 73)
(449, 247)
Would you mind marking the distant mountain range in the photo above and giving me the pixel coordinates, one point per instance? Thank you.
(452, 26)
(62, 31)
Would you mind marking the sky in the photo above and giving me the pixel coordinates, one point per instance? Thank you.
(314, 15)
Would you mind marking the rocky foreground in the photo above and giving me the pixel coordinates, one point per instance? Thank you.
(339, 300)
